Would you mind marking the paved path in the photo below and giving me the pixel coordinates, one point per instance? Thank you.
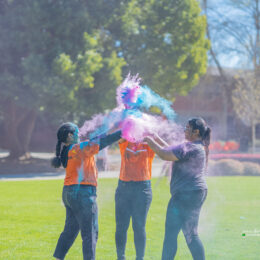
(112, 158)
(60, 175)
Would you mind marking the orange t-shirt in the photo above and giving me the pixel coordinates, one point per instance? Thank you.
(81, 166)
(136, 161)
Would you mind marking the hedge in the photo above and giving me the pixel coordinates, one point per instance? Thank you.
(230, 167)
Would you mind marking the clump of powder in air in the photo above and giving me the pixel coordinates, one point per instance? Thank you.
(130, 94)
(134, 129)
(90, 126)
(132, 114)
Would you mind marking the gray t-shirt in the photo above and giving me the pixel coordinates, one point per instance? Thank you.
(188, 173)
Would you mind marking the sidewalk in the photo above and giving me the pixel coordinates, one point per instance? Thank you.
(56, 176)
(156, 171)
(112, 158)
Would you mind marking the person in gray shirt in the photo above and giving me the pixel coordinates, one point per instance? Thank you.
(188, 187)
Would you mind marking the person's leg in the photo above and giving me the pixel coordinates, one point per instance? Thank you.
(123, 214)
(173, 225)
(87, 215)
(142, 198)
(190, 224)
(196, 247)
(67, 237)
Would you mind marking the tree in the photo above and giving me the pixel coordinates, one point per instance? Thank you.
(234, 31)
(246, 100)
(65, 58)
(164, 41)
(212, 24)
(50, 60)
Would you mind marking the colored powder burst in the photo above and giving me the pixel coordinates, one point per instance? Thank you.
(148, 98)
(101, 124)
(90, 126)
(133, 99)
(131, 94)
(110, 120)
(128, 91)
(134, 129)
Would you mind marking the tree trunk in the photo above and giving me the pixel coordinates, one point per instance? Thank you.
(253, 136)
(222, 74)
(225, 112)
(18, 127)
(27, 125)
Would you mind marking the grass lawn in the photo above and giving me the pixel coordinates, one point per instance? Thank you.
(32, 217)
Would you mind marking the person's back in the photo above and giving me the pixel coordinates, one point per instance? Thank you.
(136, 161)
(133, 195)
(81, 167)
(188, 172)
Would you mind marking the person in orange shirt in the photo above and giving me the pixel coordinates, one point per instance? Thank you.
(79, 191)
(133, 195)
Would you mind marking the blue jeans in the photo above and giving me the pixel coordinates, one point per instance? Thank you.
(183, 213)
(133, 199)
(81, 215)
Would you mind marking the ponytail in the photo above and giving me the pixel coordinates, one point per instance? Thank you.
(56, 161)
(62, 159)
(206, 142)
(58, 146)
(64, 155)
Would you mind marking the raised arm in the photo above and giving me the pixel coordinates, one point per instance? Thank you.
(160, 141)
(162, 152)
(109, 139)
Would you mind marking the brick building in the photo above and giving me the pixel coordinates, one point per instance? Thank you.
(208, 100)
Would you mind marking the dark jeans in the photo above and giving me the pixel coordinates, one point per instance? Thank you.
(81, 214)
(133, 199)
(183, 213)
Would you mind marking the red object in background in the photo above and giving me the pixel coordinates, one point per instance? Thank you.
(231, 146)
(226, 147)
(216, 146)
(221, 146)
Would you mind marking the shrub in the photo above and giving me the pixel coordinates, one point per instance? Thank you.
(251, 169)
(236, 156)
(226, 167)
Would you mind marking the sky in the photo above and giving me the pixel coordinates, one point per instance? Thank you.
(230, 50)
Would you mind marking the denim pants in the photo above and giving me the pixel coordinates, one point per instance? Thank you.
(183, 214)
(133, 199)
(81, 215)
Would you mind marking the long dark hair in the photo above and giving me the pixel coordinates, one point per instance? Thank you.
(62, 155)
(204, 131)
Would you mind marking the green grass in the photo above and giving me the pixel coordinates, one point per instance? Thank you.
(32, 217)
